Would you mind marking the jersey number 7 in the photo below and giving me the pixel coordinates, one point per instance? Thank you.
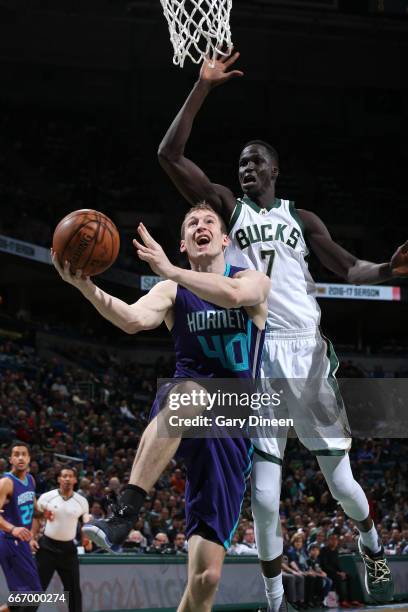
(269, 256)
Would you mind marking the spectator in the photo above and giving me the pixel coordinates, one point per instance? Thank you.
(329, 557)
(313, 563)
(96, 510)
(159, 545)
(177, 482)
(125, 412)
(237, 548)
(180, 543)
(293, 582)
(248, 539)
(176, 526)
(84, 485)
(136, 542)
(299, 562)
(392, 547)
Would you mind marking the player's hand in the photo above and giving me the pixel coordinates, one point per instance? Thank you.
(152, 252)
(21, 533)
(219, 73)
(399, 261)
(49, 515)
(34, 545)
(77, 280)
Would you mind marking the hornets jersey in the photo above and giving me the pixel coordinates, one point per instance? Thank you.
(214, 342)
(20, 508)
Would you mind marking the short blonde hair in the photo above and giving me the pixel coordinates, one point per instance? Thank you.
(296, 537)
(203, 206)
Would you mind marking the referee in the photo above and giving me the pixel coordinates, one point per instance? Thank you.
(56, 550)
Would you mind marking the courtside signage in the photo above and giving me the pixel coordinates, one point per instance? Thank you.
(123, 277)
(325, 290)
(24, 249)
(358, 292)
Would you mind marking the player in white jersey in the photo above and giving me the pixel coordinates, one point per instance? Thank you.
(269, 234)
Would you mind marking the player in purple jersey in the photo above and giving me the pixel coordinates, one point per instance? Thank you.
(18, 507)
(216, 315)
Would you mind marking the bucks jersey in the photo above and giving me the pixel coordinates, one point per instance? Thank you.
(273, 241)
(19, 509)
(214, 342)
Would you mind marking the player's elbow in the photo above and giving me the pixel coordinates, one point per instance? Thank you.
(353, 274)
(164, 155)
(167, 156)
(258, 293)
(132, 326)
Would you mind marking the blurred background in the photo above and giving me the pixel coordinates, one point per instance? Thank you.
(88, 90)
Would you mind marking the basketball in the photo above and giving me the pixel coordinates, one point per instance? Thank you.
(88, 239)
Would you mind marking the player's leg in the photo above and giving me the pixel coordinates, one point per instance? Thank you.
(19, 569)
(343, 486)
(205, 559)
(217, 471)
(266, 480)
(152, 457)
(325, 432)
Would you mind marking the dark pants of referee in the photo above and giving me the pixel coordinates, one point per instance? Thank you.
(61, 557)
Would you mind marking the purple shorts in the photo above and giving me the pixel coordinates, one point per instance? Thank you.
(18, 565)
(217, 473)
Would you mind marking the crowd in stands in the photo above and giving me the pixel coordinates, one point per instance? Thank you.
(44, 402)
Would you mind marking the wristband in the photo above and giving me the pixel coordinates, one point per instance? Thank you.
(12, 529)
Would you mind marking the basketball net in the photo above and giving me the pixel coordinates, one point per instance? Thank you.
(198, 29)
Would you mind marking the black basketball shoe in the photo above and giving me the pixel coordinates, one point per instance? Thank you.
(110, 533)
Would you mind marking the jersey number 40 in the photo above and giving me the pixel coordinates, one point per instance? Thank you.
(231, 351)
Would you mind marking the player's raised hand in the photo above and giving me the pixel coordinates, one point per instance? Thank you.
(149, 250)
(220, 72)
(399, 261)
(77, 280)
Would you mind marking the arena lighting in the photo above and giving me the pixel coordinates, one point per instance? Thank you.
(68, 458)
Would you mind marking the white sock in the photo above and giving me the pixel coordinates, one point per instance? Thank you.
(370, 539)
(274, 591)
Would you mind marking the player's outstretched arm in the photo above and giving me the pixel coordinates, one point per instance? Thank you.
(154, 308)
(247, 288)
(189, 179)
(343, 263)
(147, 313)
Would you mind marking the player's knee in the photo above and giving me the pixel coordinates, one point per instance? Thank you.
(342, 489)
(265, 502)
(209, 579)
(189, 398)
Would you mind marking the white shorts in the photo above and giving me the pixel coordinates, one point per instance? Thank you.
(300, 365)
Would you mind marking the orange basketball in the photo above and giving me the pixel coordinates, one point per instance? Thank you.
(88, 239)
